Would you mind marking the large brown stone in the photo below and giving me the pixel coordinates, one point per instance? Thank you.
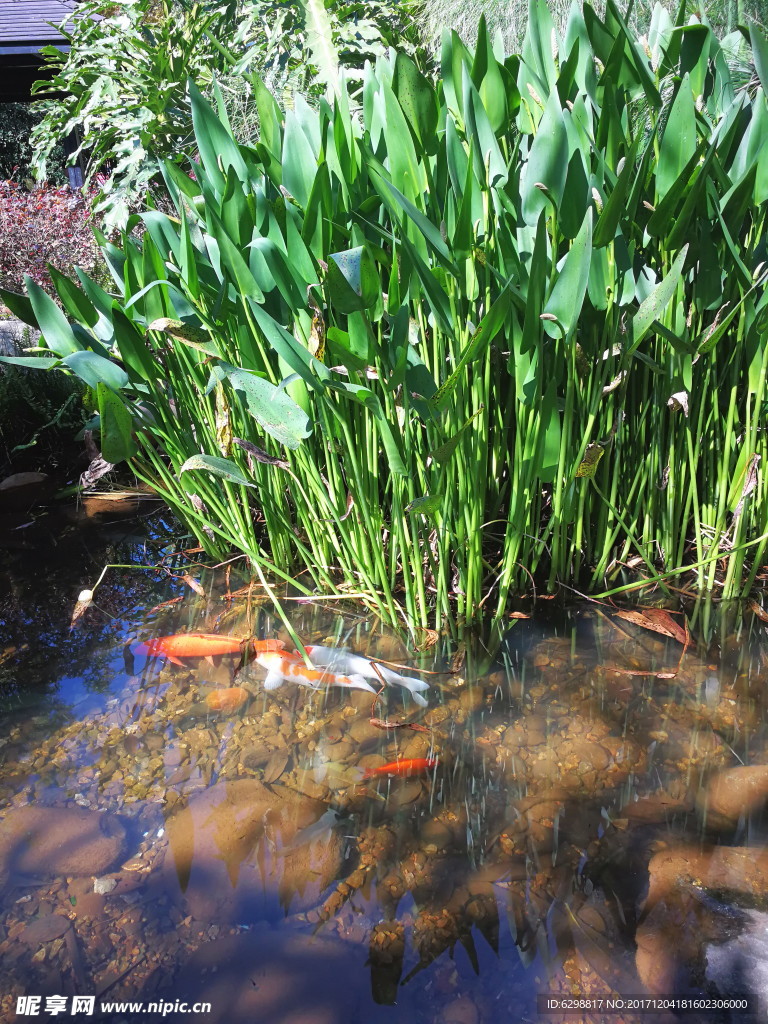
(236, 850)
(734, 792)
(45, 841)
(741, 869)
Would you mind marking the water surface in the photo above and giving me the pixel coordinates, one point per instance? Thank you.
(593, 824)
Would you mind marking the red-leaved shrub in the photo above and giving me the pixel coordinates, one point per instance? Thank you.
(40, 226)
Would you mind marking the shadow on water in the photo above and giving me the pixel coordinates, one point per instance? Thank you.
(580, 815)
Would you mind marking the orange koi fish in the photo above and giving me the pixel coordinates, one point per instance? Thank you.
(283, 668)
(203, 645)
(229, 698)
(403, 768)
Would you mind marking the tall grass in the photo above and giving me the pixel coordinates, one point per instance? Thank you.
(502, 327)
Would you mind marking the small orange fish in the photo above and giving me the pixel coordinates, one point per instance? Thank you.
(403, 768)
(203, 645)
(228, 699)
(289, 667)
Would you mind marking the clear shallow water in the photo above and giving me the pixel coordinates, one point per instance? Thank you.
(583, 833)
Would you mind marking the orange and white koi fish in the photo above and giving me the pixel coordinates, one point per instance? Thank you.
(339, 659)
(283, 668)
(203, 645)
(403, 768)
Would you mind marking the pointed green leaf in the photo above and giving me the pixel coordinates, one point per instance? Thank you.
(95, 369)
(271, 407)
(652, 308)
(353, 281)
(569, 289)
(115, 425)
(218, 466)
(54, 325)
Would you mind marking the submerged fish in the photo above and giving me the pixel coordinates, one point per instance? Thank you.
(339, 659)
(403, 768)
(203, 645)
(281, 668)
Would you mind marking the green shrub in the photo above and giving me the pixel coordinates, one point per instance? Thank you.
(506, 327)
(17, 121)
(123, 81)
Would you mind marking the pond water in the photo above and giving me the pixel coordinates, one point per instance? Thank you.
(577, 815)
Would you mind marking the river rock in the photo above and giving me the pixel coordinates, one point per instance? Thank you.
(734, 792)
(23, 490)
(45, 841)
(235, 851)
(742, 869)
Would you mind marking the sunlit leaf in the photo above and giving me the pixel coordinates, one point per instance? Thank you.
(223, 468)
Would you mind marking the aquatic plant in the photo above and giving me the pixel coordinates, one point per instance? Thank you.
(501, 327)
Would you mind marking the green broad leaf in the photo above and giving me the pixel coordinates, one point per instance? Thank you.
(678, 143)
(483, 335)
(75, 301)
(488, 80)
(454, 56)
(353, 280)
(538, 59)
(95, 369)
(53, 324)
(115, 424)
(188, 257)
(133, 347)
(270, 122)
(218, 466)
(32, 362)
(569, 289)
(272, 408)
(759, 41)
(652, 307)
(218, 150)
(485, 146)
(428, 505)
(416, 96)
(103, 303)
(547, 162)
(403, 161)
(299, 161)
(20, 306)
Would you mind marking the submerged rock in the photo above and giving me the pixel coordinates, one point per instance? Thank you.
(735, 792)
(45, 841)
(236, 850)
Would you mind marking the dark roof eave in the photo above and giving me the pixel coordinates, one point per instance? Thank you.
(32, 48)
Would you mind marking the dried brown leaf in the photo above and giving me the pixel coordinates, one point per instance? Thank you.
(258, 454)
(194, 585)
(657, 620)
